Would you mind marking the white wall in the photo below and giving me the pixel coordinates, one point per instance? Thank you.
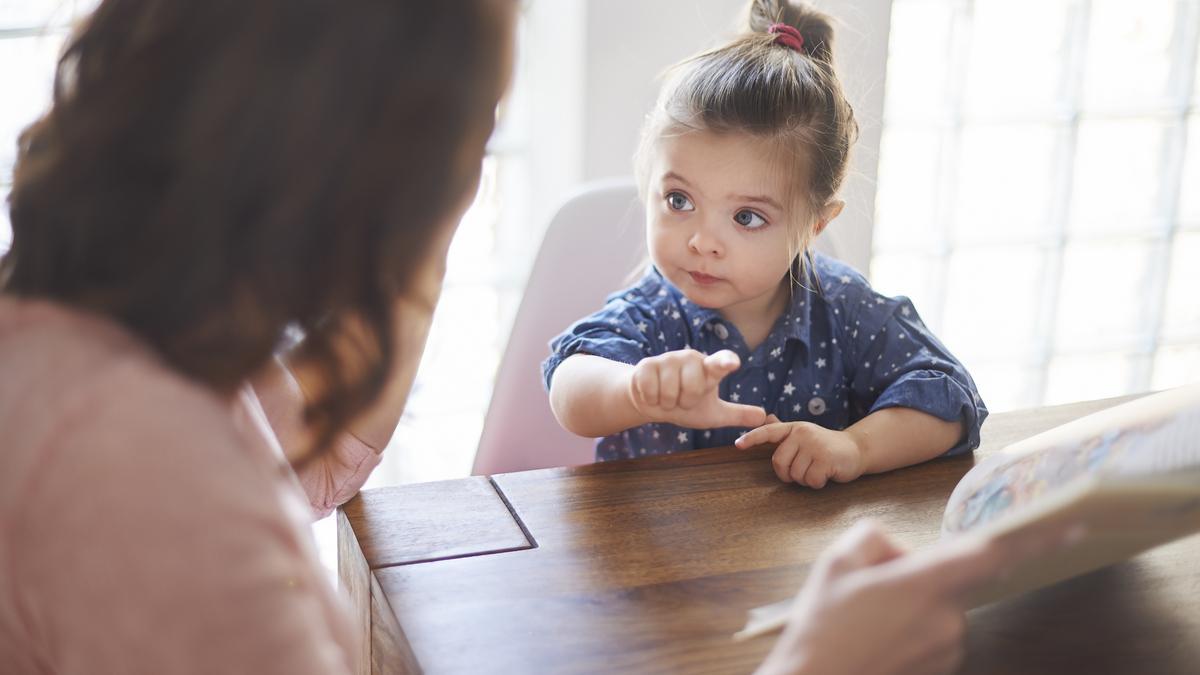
(627, 43)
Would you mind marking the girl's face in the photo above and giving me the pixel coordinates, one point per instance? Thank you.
(718, 222)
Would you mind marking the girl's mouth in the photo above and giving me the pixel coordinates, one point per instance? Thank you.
(704, 279)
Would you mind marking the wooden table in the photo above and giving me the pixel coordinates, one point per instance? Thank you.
(649, 565)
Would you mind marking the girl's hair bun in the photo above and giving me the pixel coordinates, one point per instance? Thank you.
(816, 28)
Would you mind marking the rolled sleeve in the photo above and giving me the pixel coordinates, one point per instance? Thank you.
(620, 332)
(940, 395)
(899, 363)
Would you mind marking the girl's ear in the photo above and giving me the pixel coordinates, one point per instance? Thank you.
(831, 211)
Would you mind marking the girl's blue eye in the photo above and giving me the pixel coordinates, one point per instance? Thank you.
(677, 201)
(749, 219)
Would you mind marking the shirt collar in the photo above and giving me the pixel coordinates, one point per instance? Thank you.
(793, 325)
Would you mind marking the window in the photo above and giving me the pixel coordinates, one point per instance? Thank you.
(1039, 191)
(31, 36)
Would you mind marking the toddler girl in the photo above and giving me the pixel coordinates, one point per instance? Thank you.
(737, 325)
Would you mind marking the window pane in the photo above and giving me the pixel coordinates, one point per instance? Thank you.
(26, 78)
(1129, 52)
(1102, 299)
(1003, 79)
(1006, 182)
(1005, 386)
(1176, 365)
(1196, 84)
(1182, 319)
(917, 277)
(919, 50)
(992, 301)
(1089, 376)
(1118, 172)
(906, 197)
(41, 13)
(1189, 194)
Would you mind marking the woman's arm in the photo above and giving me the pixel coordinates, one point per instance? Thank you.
(333, 477)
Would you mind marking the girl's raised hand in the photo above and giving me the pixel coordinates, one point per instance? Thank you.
(807, 453)
(681, 388)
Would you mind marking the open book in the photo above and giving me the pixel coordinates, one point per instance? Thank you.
(1129, 475)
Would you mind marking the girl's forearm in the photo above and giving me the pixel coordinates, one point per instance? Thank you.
(590, 396)
(896, 437)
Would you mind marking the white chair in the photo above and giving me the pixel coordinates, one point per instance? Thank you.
(593, 246)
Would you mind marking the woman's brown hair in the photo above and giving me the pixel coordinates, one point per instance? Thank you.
(214, 173)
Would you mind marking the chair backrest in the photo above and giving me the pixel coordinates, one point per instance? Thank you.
(591, 248)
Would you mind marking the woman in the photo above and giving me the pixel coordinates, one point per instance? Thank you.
(213, 179)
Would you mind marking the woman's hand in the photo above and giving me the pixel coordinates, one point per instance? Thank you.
(808, 453)
(868, 606)
(682, 387)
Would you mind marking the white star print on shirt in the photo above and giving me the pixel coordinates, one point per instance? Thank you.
(682, 437)
(820, 363)
(642, 326)
(789, 388)
(734, 397)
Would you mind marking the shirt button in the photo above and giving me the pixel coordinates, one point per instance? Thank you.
(721, 331)
(816, 405)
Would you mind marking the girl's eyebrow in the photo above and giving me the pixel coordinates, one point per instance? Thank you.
(761, 199)
(671, 175)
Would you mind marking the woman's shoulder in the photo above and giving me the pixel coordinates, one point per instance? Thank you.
(139, 494)
(79, 391)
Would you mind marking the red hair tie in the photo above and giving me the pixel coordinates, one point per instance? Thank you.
(787, 36)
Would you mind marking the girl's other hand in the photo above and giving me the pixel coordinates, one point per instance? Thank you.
(682, 388)
(807, 453)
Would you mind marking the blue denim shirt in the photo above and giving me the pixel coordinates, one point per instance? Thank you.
(838, 353)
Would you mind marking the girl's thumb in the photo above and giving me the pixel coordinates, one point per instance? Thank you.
(738, 415)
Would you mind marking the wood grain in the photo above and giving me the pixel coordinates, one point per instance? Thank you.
(650, 565)
(391, 653)
(354, 578)
(433, 521)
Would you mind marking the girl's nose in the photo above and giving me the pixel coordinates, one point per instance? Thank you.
(704, 242)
